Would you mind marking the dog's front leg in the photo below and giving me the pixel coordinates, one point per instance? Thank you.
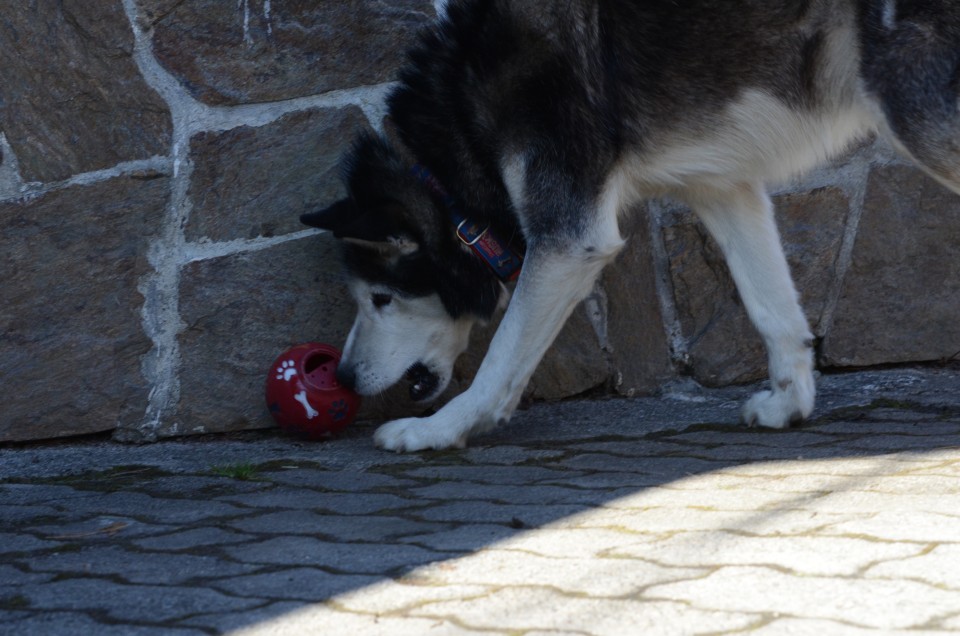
(553, 281)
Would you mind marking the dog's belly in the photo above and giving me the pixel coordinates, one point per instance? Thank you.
(757, 138)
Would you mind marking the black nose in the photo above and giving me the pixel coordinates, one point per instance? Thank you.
(347, 376)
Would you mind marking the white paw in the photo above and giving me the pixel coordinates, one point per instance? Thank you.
(779, 409)
(286, 370)
(414, 434)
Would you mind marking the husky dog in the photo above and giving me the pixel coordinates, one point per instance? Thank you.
(524, 129)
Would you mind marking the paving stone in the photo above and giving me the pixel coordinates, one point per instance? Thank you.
(199, 486)
(33, 494)
(307, 584)
(60, 623)
(839, 466)
(874, 502)
(137, 567)
(343, 503)
(952, 622)
(140, 506)
(129, 603)
(10, 543)
(662, 520)
(635, 448)
(464, 538)
(591, 576)
(908, 484)
(532, 608)
(358, 558)
(823, 556)
(812, 627)
(508, 455)
(195, 537)
(11, 516)
(99, 528)
(335, 527)
(11, 577)
(508, 514)
(729, 499)
(265, 619)
(666, 467)
(606, 481)
(574, 543)
(882, 443)
(487, 475)
(870, 603)
(386, 597)
(742, 453)
(531, 494)
(772, 438)
(867, 426)
(342, 481)
(947, 469)
(937, 567)
(307, 619)
(747, 485)
(839, 544)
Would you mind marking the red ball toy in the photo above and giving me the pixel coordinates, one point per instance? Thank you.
(303, 394)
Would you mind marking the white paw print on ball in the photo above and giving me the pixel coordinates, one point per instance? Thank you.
(286, 370)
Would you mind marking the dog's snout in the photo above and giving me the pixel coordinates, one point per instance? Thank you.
(347, 376)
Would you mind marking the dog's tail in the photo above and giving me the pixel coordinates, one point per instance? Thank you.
(911, 65)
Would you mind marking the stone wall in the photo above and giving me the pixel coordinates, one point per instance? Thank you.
(156, 155)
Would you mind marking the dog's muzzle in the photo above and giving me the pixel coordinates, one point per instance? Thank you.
(423, 382)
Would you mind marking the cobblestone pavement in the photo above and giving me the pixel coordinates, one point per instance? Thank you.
(646, 516)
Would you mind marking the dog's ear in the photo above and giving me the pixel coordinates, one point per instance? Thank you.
(380, 232)
(338, 218)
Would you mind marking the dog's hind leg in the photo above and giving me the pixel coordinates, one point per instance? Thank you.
(741, 220)
(910, 61)
(557, 274)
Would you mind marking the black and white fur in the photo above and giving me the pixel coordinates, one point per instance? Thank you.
(550, 119)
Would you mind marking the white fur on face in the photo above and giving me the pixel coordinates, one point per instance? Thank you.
(387, 340)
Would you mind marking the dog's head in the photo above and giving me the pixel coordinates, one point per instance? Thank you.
(418, 291)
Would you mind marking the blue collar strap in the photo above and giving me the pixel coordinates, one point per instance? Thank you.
(502, 259)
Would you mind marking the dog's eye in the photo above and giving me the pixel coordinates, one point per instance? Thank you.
(381, 300)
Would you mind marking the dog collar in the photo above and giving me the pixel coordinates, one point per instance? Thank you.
(502, 259)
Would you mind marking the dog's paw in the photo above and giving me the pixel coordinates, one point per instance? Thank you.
(415, 434)
(777, 409)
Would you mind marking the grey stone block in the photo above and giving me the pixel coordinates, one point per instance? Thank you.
(901, 296)
(225, 53)
(249, 182)
(724, 347)
(71, 317)
(74, 100)
(242, 312)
